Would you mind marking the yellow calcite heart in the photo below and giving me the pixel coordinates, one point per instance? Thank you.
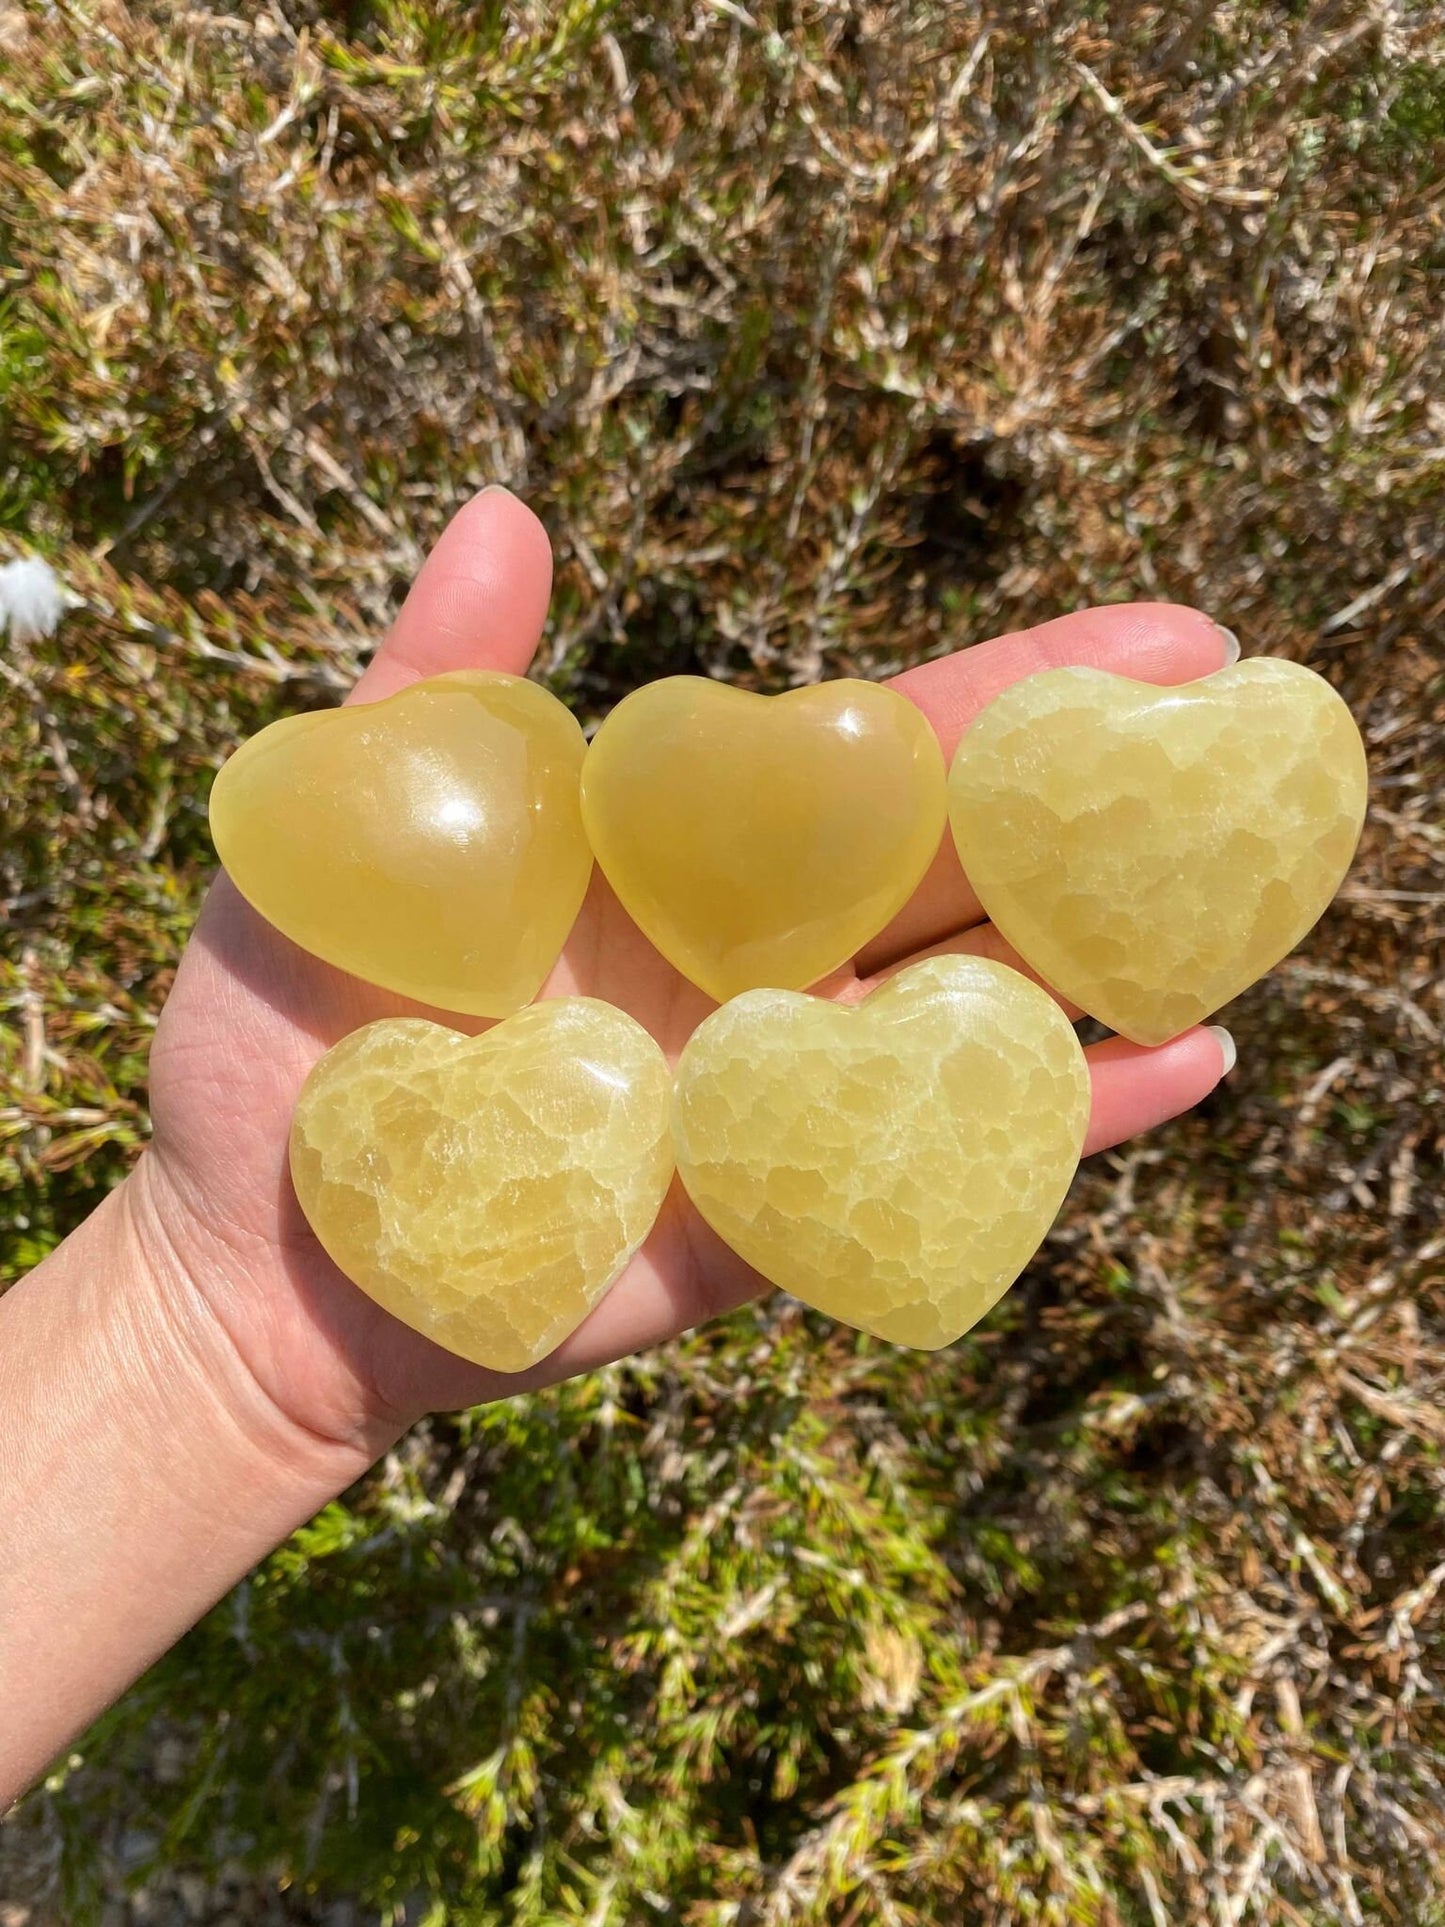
(895, 1164)
(487, 1190)
(762, 840)
(431, 843)
(1151, 852)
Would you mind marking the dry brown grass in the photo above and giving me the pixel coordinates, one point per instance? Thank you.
(824, 338)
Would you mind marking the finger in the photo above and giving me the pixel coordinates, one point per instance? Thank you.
(1137, 1087)
(1159, 642)
(982, 940)
(479, 602)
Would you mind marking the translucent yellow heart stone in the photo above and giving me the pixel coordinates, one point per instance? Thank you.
(763, 839)
(487, 1190)
(1151, 852)
(431, 843)
(895, 1164)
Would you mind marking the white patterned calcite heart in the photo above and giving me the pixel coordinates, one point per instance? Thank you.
(1151, 852)
(897, 1163)
(487, 1190)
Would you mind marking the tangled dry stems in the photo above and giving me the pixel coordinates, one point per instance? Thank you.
(825, 338)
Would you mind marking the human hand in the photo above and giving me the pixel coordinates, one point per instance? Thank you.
(250, 1014)
(188, 1373)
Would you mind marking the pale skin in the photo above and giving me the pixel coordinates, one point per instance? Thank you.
(188, 1377)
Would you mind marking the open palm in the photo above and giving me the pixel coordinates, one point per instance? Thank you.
(250, 1014)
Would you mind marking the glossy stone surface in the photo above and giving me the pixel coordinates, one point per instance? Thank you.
(762, 840)
(487, 1190)
(895, 1164)
(1151, 852)
(431, 843)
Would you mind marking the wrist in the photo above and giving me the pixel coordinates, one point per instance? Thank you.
(138, 1464)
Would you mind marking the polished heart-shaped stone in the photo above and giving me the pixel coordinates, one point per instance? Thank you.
(762, 840)
(431, 843)
(487, 1190)
(1151, 852)
(897, 1163)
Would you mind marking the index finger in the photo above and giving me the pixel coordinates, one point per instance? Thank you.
(479, 601)
(1159, 642)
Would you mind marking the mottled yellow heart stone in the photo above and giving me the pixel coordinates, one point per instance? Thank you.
(895, 1164)
(487, 1190)
(431, 843)
(762, 840)
(1151, 852)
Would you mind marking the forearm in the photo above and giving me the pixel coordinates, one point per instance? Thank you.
(141, 1474)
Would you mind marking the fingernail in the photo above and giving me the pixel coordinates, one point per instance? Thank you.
(1231, 645)
(1227, 1048)
(496, 488)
